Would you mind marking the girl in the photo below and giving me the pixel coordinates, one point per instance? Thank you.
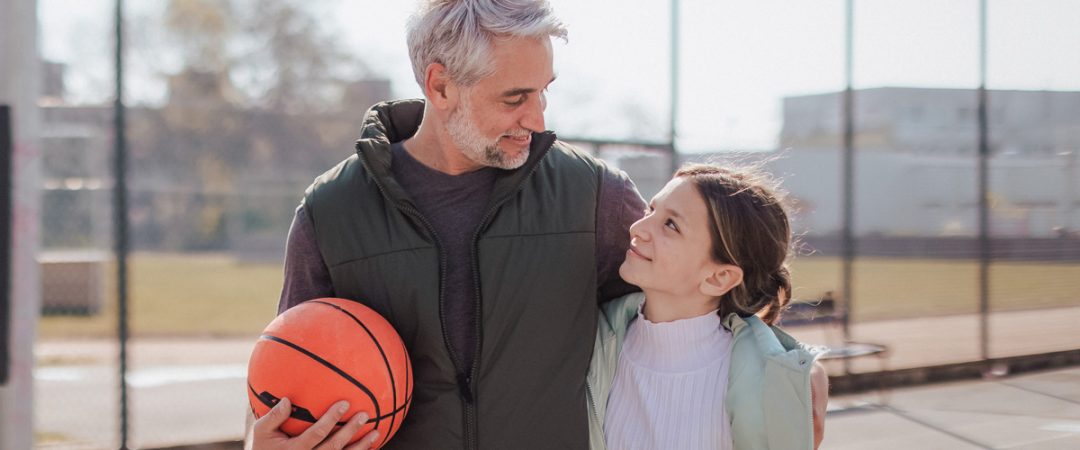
(693, 361)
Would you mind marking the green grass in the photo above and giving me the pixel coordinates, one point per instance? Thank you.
(183, 294)
(213, 294)
(49, 438)
(887, 288)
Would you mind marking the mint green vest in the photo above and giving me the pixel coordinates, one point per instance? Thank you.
(768, 394)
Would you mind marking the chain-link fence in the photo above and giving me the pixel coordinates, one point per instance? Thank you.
(237, 109)
(248, 101)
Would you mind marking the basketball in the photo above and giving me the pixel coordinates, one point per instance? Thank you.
(330, 349)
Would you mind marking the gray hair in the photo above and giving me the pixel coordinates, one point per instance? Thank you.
(458, 33)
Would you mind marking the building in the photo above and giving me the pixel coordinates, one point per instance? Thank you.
(916, 162)
(205, 172)
(938, 122)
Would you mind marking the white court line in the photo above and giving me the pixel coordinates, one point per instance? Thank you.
(1068, 427)
(147, 377)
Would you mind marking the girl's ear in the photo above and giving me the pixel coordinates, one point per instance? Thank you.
(722, 280)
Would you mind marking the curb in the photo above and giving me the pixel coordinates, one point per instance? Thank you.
(987, 369)
(227, 445)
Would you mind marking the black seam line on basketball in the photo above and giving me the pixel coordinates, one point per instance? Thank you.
(272, 405)
(330, 366)
(383, 417)
(386, 361)
(254, 413)
(408, 370)
(256, 394)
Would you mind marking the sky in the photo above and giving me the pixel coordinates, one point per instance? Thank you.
(738, 58)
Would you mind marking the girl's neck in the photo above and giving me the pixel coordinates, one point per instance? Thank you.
(668, 307)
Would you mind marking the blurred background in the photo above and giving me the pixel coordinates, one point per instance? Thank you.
(931, 240)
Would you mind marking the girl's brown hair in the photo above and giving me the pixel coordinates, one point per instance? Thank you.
(750, 229)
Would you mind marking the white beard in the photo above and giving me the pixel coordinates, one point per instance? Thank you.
(467, 137)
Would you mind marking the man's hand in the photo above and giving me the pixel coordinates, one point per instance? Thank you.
(267, 434)
(819, 399)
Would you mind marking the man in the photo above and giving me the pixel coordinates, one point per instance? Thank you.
(483, 240)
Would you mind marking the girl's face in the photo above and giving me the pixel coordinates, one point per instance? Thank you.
(670, 247)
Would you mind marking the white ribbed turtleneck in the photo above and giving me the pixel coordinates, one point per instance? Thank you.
(669, 387)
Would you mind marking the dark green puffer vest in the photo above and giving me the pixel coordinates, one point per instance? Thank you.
(534, 255)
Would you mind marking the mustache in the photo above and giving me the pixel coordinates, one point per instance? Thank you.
(517, 133)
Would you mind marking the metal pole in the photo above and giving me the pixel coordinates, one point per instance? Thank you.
(20, 87)
(120, 221)
(7, 148)
(984, 195)
(847, 244)
(1068, 191)
(674, 85)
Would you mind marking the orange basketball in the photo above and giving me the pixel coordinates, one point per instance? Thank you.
(326, 350)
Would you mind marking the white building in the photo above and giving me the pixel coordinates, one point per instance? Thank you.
(899, 194)
(916, 164)
(939, 122)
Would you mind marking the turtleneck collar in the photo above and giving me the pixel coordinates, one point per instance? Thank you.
(678, 346)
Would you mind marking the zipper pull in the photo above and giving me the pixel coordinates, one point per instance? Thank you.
(465, 386)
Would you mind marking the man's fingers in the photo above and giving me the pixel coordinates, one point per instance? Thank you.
(342, 437)
(273, 419)
(367, 443)
(322, 427)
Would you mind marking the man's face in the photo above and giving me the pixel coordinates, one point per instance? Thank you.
(494, 119)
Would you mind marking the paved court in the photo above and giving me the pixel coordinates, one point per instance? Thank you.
(1030, 411)
(191, 391)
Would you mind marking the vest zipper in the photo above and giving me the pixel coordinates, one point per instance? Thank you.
(471, 431)
(465, 381)
(455, 358)
(592, 402)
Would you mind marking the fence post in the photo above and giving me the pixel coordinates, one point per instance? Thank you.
(847, 232)
(19, 89)
(984, 195)
(120, 220)
(7, 147)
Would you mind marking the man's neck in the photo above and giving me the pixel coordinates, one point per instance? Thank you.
(432, 146)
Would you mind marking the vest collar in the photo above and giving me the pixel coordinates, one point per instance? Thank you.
(395, 121)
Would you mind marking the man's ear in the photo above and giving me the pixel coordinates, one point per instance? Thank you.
(439, 90)
(723, 279)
